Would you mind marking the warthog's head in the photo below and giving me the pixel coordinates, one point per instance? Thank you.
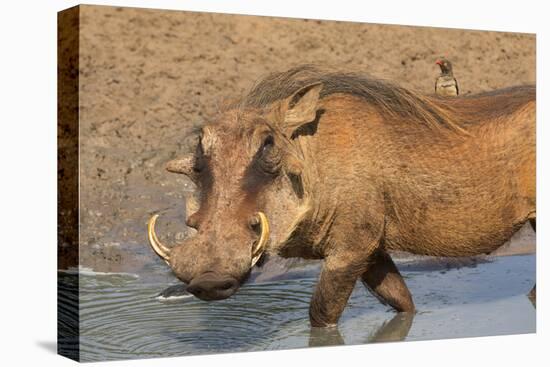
(249, 170)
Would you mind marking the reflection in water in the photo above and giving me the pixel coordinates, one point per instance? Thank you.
(121, 315)
(395, 329)
(323, 337)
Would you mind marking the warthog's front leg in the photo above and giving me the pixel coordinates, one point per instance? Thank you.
(331, 295)
(386, 283)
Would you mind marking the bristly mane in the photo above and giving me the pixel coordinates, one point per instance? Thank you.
(389, 98)
(435, 112)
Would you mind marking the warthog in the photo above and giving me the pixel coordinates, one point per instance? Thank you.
(342, 167)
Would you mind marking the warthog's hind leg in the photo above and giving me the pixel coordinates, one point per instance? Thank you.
(533, 296)
(383, 280)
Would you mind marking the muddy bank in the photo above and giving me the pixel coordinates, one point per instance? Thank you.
(147, 77)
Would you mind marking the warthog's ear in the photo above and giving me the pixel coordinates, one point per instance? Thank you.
(301, 108)
(182, 165)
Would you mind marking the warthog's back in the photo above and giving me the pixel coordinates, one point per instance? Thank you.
(444, 192)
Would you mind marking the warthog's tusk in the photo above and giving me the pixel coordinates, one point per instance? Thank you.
(158, 247)
(264, 237)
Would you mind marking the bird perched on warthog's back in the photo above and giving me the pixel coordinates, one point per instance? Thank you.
(446, 84)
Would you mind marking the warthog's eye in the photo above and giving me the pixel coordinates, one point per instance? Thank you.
(268, 143)
(264, 166)
(269, 158)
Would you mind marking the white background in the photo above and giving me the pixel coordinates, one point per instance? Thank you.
(28, 181)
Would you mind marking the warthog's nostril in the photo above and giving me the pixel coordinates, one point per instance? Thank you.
(211, 286)
(226, 286)
(195, 290)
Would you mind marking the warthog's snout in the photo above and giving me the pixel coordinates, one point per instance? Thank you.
(211, 286)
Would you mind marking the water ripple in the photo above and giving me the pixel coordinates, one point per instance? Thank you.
(120, 316)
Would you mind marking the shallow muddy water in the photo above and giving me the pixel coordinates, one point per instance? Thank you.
(122, 317)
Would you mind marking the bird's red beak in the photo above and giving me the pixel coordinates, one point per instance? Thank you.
(439, 62)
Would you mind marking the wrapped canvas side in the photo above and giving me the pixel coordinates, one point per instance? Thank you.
(67, 184)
